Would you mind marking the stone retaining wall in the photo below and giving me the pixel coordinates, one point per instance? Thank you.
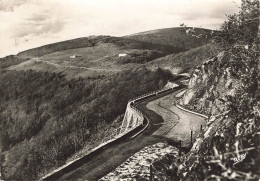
(138, 127)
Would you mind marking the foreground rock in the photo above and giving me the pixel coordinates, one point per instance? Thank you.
(138, 165)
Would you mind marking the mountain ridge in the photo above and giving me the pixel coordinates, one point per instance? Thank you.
(176, 39)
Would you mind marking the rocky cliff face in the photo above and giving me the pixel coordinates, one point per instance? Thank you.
(209, 86)
(210, 89)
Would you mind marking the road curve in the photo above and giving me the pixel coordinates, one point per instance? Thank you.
(115, 154)
(178, 123)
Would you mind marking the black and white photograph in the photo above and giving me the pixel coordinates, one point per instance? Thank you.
(129, 90)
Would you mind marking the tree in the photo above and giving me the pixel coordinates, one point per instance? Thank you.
(239, 39)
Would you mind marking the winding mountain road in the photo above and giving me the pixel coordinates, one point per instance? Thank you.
(166, 122)
(178, 124)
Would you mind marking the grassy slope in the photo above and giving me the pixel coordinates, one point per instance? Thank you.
(59, 46)
(122, 42)
(100, 53)
(185, 61)
(166, 40)
(176, 37)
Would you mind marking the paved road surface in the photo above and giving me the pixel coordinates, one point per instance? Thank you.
(177, 123)
(112, 157)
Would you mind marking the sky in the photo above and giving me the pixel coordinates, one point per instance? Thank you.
(27, 24)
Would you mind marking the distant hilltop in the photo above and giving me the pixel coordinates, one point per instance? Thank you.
(170, 40)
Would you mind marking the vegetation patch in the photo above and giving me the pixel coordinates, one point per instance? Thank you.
(46, 118)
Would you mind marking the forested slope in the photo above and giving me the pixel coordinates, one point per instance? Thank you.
(46, 118)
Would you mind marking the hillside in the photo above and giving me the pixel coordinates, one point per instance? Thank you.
(225, 88)
(53, 106)
(46, 119)
(99, 55)
(170, 40)
(175, 37)
(216, 90)
(184, 61)
(121, 42)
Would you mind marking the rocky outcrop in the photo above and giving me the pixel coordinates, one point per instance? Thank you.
(208, 89)
(209, 86)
